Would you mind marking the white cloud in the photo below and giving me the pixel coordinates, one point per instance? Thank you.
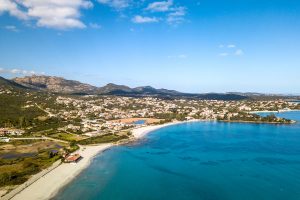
(230, 50)
(12, 8)
(224, 54)
(160, 6)
(177, 15)
(66, 14)
(140, 19)
(58, 14)
(117, 4)
(239, 52)
(11, 28)
(19, 72)
(95, 26)
(180, 56)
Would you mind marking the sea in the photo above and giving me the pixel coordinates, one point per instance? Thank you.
(198, 161)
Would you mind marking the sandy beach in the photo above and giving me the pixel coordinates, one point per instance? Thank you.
(142, 131)
(49, 184)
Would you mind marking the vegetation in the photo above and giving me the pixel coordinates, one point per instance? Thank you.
(17, 171)
(103, 139)
(246, 117)
(13, 113)
(68, 136)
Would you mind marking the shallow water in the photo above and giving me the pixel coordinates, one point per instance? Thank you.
(199, 160)
(295, 115)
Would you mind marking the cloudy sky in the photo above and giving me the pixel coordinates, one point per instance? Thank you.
(187, 45)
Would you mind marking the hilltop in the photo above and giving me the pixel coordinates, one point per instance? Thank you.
(54, 84)
(60, 85)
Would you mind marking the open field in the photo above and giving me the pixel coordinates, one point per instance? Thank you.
(31, 146)
(68, 136)
(20, 159)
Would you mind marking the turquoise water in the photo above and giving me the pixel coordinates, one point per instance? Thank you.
(198, 161)
(140, 122)
(295, 115)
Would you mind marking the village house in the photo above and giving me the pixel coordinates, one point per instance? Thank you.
(73, 158)
(11, 132)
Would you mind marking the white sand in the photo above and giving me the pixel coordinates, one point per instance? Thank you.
(48, 185)
(142, 131)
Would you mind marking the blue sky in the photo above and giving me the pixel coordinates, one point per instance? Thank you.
(187, 45)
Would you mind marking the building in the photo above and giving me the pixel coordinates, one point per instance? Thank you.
(4, 139)
(73, 158)
(9, 131)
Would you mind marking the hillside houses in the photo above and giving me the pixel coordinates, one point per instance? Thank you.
(11, 132)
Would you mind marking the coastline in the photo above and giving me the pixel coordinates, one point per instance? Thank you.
(140, 132)
(48, 184)
(257, 122)
(268, 111)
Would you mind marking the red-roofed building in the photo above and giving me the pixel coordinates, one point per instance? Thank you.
(73, 158)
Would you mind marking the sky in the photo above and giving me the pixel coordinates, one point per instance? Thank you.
(187, 45)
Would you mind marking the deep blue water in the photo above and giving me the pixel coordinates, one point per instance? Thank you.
(198, 161)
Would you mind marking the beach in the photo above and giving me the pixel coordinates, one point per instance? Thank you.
(48, 184)
(142, 131)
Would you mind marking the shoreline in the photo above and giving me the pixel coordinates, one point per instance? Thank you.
(258, 122)
(270, 111)
(50, 183)
(140, 132)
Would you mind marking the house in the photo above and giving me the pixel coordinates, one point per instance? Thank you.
(4, 139)
(92, 134)
(73, 158)
(3, 132)
(9, 131)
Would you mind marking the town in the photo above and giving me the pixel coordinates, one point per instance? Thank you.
(93, 115)
(41, 129)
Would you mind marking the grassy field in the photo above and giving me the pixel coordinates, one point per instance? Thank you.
(68, 136)
(21, 159)
(103, 139)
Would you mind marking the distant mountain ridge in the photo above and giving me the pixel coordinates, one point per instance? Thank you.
(9, 84)
(54, 84)
(60, 85)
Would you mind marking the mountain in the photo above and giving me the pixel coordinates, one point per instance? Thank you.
(113, 88)
(54, 84)
(60, 85)
(151, 90)
(9, 84)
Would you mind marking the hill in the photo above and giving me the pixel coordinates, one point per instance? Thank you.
(54, 84)
(9, 84)
(60, 85)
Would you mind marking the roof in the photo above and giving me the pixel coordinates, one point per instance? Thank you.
(73, 158)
